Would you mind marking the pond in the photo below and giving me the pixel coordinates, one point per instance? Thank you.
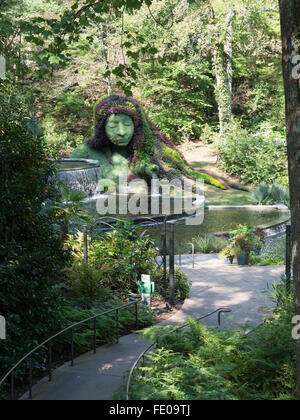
(221, 221)
(75, 164)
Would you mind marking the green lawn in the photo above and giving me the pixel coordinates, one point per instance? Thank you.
(217, 197)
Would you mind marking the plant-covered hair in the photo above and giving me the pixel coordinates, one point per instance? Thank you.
(116, 104)
(148, 145)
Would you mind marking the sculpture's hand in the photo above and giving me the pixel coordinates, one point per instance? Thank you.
(147, 170)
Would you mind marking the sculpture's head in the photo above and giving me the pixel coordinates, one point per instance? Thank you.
(118, 121)
(119, 129)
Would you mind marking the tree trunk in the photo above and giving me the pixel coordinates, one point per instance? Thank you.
(222, 58)
(106, 52)
(228, 56)
(221, 86)
(290, 28)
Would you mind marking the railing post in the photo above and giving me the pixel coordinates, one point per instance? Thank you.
(164, 236)
(50, 360)
(136, 316)
(85, 245)
(172, 264)
(30, 377)
(219, 320)
(117, 325)
(72, 347)
(12, 387)
(193, 253)
(288, 257)
(95, 335)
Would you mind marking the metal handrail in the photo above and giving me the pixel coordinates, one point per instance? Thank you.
(142, 355)
(193, 252)
(50, 340)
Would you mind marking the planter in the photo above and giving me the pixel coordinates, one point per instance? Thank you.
(242, 259)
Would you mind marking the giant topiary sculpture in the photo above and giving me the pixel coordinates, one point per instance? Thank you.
(126, 142)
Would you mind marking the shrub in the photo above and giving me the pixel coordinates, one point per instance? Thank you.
(254, 236)
(202, 364)
(31, 256)
(265, 194)
(84, 285)
(182, 284)
(62, 142)
(105, 325)
(242, 240)
(121, 256)
(253, 157)
(272, 253)
(208, 243)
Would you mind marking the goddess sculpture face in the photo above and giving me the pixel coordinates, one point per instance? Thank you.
(119, 129)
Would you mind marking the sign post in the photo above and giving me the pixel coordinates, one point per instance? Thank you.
(2, 67)
(146, 287)
(2, 328)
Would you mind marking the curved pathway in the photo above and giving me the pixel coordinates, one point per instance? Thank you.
(214, 284)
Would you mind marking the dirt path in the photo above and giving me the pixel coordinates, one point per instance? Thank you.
(203, 157)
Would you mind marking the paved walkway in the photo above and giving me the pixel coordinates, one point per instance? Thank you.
(215, 284)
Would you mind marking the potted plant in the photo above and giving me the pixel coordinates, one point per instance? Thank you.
(257, 240)
(228, 253)
(242, 249)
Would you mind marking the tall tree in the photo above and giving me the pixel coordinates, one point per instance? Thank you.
(290, 27)
(222, 58)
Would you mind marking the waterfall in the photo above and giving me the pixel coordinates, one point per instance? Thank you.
(83, 179)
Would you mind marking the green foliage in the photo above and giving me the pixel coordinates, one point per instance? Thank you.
(283, 180)
(84, 285)
(253, 157)
(67, 120)
(59, 140)
(254, 235)
(208, 243)
(242, 241)
(121, 255)
(106, 328)
(31, 256)
(272, 253)
(265, 194)
(69, 208)
(182, 284)
(203, 364)
(184, 87)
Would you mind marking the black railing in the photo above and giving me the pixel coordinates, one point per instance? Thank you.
(50, 341)
(143, 354)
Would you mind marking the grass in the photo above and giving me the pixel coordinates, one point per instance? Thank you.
(216, 197)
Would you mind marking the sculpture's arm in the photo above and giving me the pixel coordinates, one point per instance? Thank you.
(81, 152)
